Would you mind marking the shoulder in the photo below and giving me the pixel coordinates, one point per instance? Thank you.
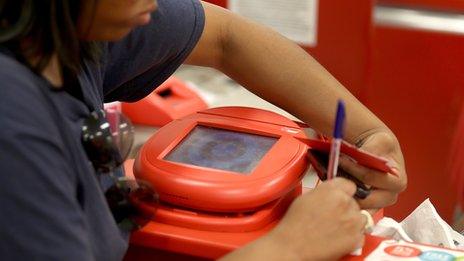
(22, 102)
(150, 54)
(179, 11)
(16, 80)
(175, 25)
(180, 21)
(30, 135)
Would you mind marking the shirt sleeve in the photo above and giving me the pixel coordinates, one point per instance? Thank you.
(40, 216)
(145, 58)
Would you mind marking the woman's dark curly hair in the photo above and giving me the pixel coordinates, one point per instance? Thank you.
(41, 28)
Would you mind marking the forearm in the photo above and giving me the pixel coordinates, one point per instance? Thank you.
(281, 72)
(265, 248)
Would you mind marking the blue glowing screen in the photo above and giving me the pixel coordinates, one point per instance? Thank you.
(222, 149)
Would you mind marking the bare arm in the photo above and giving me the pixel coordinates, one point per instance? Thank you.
(279, 71)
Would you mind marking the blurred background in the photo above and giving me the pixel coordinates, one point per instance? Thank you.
(404, 59)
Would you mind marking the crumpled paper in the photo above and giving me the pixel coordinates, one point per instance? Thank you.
(424, 226)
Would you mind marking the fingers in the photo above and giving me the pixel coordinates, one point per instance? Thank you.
(378, 199)
(344, 185)
(361, 242)
(374, 178)
(361, 218)
(363, 223)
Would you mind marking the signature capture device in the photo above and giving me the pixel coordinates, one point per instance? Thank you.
(224, 176)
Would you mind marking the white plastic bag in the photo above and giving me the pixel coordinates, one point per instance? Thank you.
(424, 226)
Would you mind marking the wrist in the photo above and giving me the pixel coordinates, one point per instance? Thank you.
(362, 138)
(269, 247)
(280, 246)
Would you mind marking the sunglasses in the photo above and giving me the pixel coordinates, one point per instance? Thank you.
(107, 137)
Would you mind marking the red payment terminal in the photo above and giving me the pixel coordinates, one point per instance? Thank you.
(224, 176)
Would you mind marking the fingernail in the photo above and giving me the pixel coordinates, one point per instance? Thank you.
(394, 171)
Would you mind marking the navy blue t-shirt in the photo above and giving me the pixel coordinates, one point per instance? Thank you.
(52, 206)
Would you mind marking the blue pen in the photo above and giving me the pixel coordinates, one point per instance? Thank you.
(336, 141)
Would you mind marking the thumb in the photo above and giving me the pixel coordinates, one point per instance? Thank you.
(344, 185)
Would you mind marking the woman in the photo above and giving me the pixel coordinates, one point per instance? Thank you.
(61, 59)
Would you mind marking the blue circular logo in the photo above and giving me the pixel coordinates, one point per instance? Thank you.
(436, 256)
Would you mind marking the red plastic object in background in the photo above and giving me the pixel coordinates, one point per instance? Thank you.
(343, 40)
(418, 92)
(171, 100)
(443, 5)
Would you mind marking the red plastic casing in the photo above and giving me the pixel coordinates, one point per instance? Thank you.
(177, 232)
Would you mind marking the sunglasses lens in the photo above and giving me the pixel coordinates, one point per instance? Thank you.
(122, 132)
(98, 142)
(107, 139)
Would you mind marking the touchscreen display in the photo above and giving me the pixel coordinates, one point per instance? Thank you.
(222, 149)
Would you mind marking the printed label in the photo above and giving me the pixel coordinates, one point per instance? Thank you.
(295, 19)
